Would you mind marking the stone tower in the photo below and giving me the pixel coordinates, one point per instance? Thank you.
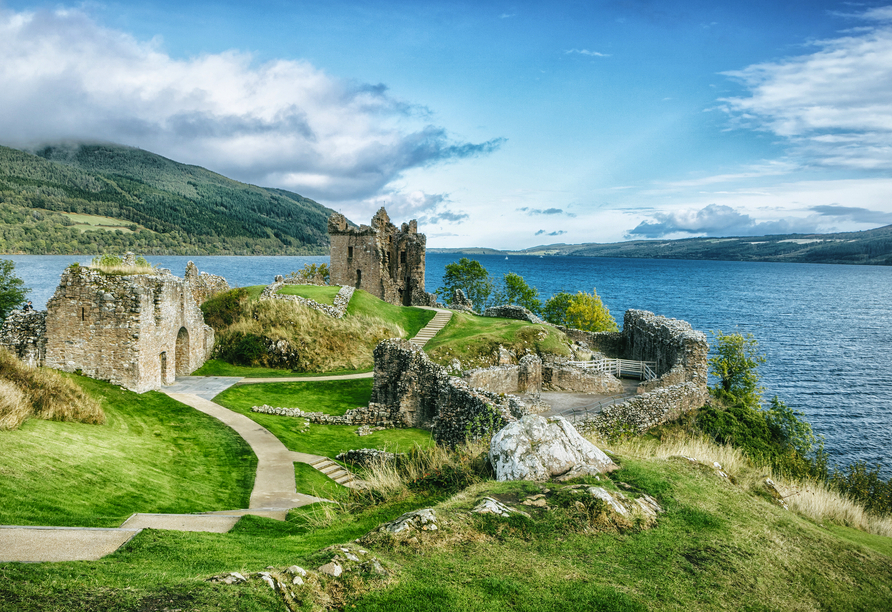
(381, 259)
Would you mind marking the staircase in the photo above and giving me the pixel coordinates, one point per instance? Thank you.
(334, 471)
(432, 328)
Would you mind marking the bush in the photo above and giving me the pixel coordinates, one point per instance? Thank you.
(224, 309)
(12, 288)
(43, 394)
(586, 312)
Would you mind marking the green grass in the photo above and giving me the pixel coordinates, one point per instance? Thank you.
(475, 340)
(333, 397)
(254, 291)
(317, 293)
(717, 547)
(311, 481)
(217, 367)
(153, 455)
(411, 319)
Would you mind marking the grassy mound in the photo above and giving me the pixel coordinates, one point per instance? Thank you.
(475, 340)
(41, 393)
(285, 336)
(153, 455)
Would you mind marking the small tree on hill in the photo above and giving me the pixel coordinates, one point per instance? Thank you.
(518, 292)
(735, 362)
(472, 278)
(12, 288)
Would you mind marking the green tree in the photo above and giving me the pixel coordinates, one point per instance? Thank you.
(555, 309)
(518, 292)
(586, 312)
(12, 288)
(472, 278)
(735, 362)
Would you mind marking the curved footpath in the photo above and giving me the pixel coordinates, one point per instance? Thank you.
(274, 491)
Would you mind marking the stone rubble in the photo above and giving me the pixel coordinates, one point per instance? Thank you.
(364, 457)
(337, 310)
(423, 520)
(489, 505)
(512, 311)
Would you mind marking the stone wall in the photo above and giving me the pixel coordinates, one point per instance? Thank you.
(426, 396)
(512, 311)
(560, 376)
(526, 377)
(381, 259)
(139, 331)
(640, 413)
(24, 334)
(204, 286)
(337, 310)
(372, 414)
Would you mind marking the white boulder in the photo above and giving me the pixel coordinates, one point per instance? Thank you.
(540, 448)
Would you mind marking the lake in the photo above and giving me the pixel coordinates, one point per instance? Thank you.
(825, 329)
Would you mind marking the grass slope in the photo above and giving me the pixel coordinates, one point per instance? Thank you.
(153, 455)
(718, 546)
(323, 295)
(333, 397)
(475, 340)
(410, 318)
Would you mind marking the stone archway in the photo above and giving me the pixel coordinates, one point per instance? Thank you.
(182, 353)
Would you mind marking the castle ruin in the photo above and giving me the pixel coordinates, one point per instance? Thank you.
(381, 259)
(139, 331)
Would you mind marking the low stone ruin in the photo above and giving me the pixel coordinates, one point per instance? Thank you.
(364, 415)
(24, 334)
(513, 311)
(460, 302)
(336, 310)
(426, 396)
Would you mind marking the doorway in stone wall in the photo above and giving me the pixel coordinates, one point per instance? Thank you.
(164, 368)
(182, 367)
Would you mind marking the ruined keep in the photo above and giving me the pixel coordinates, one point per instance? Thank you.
(381, 259)
(139, 331)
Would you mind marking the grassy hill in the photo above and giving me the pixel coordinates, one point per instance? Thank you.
(93, 198)
(870, 247)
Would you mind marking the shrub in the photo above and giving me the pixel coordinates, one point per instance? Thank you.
(41, 393)
(224, 309)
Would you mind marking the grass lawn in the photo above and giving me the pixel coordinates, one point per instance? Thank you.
(333, 397)
(717, 547)
(217, 367)
(317, 293)
(153, 455)
(474, 340)
(410, 318)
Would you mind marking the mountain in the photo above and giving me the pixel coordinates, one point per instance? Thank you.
(92, 198)
(870, 247)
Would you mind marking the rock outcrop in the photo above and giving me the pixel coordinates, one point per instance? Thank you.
(539, 448)
(512, 311)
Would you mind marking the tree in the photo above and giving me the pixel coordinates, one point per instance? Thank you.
(518, 292)
(735, 362)
(586, 312)
(472, 278)
(555, 309)
(12, 288)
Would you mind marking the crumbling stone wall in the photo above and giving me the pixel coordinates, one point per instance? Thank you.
(386, 262)
(373, 414)
(426, 396)
(558, 375)
(641, 412)
(24, 334)
(512, 311)
(337, 310)
(204, 286)
(139, 331)
(525, 377)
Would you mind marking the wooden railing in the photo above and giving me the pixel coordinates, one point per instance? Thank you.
(620, 367)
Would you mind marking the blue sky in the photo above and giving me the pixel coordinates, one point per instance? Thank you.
(503, 124)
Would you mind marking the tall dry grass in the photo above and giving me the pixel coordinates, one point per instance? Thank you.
(41, 393)
(812, 499)
(319, 343)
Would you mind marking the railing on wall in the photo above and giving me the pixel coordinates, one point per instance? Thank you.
(620, 368)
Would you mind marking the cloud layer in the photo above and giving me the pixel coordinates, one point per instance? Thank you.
(834, 105)
(282, 123)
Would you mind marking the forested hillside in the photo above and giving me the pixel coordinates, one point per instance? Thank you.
(87, 199)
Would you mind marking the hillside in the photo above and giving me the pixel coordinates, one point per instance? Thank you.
(92, 198)
(870, 247)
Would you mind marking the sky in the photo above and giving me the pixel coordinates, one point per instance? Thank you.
(498, 124)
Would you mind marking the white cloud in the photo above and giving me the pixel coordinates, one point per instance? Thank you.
(834, 106)
(586, 52)
(282, 123)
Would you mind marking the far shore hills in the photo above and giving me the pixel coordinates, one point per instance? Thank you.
(869, 247)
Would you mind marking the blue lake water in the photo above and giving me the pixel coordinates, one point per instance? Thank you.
(826, 330)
